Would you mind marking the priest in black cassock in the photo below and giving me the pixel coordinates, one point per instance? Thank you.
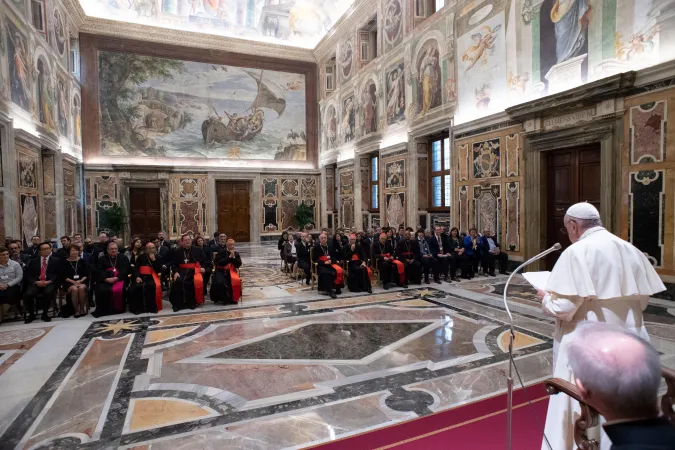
(302, 250)
(392, 272)
(360, 276)
(226, 284)
(187, 266)
(145, 292)
(112, 271)
(408, 252)
(330, 273)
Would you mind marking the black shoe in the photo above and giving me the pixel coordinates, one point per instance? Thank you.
(503, 273)
(405, 286)
(438, 281)
(193, 307)
(492, 274)
(426, 281)
(338, 291)
(370, 290)
(445, 278)
(455, 279)
(332, 294)
(29, 319)
(176, 309)
(45, 318)
(385, 286)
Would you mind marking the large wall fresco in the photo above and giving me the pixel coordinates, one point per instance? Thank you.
(171, 108)
(474, 58)
(299, 23)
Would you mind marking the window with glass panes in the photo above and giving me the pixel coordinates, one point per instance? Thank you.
(439, 174)
(374, 185)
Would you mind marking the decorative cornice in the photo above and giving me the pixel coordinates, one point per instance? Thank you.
(585, 95)
(396, 148)
(344, 26)
(27, 137)
(75, 12)
(139, 32)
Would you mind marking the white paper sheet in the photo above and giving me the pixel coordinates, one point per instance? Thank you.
(537, 279)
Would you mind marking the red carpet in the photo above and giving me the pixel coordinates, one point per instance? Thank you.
(476, 426)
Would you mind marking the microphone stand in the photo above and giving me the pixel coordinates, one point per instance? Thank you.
(512, 336)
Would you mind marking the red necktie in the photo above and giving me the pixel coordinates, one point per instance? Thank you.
(43, 269)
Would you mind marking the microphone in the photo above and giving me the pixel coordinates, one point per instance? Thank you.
(509, 379)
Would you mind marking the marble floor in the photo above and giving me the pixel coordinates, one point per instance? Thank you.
(288, 368)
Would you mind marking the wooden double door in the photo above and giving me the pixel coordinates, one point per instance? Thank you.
(234, 218)
(145, 218)
(573, 176)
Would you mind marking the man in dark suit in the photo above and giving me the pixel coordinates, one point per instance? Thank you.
(619, 374)
(440, 250)
(162, 241)
(62, 253)
(41, 275)
(34, 249)
(490, 252)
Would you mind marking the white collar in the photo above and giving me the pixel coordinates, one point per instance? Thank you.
(590, 231)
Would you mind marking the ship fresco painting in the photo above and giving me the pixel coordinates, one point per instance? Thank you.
(159, 107)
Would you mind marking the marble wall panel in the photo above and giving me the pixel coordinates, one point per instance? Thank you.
(347, 212)
(395, 207)
(49, 174)
(106, 186)
(189, 217)
(188, 197)
(346, 182)
(68, 181)
(512, 219)
(270, 187)
(647, 142)
(441, 220)
(646, 213)
(463, 162)
(330, 190)
(512, 143)
(28, 169)
(100, 206)
(270, 221)
(422, 182)
(375, 220)
(29, 217)
(69, 211)
(308, 187)
(102, 193)
(494, 174)
(487, 208)
(50, 218)
(3, 232)
(365, 184)
(290, 188)
(647, 216)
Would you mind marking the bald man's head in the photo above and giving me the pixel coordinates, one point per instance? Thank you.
(616, 371)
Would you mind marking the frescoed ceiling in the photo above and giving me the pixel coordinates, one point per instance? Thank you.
(297, 23)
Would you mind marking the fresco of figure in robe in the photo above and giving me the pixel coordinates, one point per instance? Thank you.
(429, 85)
(395, 95)
(18, 67)
(369, 109)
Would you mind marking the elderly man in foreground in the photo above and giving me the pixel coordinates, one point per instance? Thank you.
(600, 278)
(619, 374)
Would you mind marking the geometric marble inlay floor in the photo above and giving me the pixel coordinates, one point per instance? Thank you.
(276, 373)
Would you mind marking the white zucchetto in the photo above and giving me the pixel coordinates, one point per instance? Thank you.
(583, 211)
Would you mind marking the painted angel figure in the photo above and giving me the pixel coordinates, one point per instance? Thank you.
(638, 45)
(394, 104)
(485, 43)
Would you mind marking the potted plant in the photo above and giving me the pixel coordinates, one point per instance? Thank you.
(304, 214)
(114, 218)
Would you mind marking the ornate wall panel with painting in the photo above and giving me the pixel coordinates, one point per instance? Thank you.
(648, 178)
(102, 193)
(49, 197)
(281, 196)
(215, 109)
(394, 188)
(489, 185)
(28, 160)
(188, 204)
(71, 203)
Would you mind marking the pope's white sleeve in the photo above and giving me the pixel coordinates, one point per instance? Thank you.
(561, 308)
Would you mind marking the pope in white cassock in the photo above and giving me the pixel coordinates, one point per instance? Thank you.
(600, 278)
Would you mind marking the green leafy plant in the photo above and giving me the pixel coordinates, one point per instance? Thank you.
(304, 214)
(114, 218)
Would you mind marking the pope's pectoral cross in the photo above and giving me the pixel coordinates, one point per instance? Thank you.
(186, 260)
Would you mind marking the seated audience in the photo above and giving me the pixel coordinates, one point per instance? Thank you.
(472, 249)
(392, 271)
(11, 275)
(290, 253)
(145, 292)
(619, 374)
(329, 272)
(429, 263)
(163, 241)
(490, 251)
(14, 249)
(226, 287)
(112, 270)
(281, 245)
(408, 252)
(455, 243)
(187, 265)
(200, 243)
(75, 276)
(443, 254)
(42, 275)
(302, 249)
(133, 252)
(62, 253)
(360, 276)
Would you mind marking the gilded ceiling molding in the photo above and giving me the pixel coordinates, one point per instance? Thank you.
(346, 25)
